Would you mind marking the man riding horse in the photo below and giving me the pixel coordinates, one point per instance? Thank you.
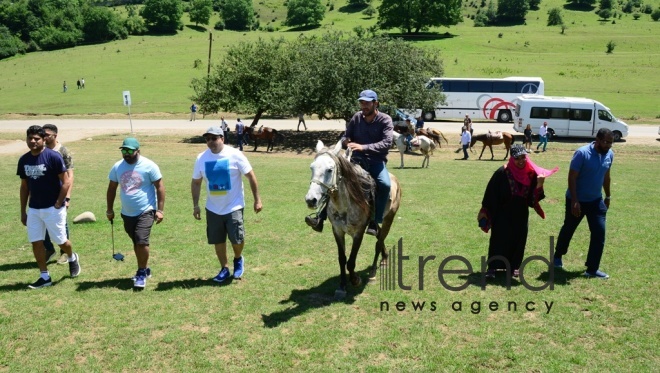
(369, 135)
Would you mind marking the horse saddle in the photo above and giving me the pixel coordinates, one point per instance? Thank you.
(495, 135)
(415, 142)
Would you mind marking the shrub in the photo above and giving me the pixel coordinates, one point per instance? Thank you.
(636, 16)
(220, 25)
(656, 15)
(605, 14)
(610, 46)
(647, 9)
(554, 17)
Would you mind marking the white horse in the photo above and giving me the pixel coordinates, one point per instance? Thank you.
(421, 143)
(343, 185)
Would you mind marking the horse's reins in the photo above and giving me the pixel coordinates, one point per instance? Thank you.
(330, 188)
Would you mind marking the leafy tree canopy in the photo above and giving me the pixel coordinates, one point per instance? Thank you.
(318, 75)
(200, 11)
(418, 15)
(238, 14)
(512, 10)
(162, 16)
(304, 12)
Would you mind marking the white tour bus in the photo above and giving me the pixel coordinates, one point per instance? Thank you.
(566, 116)
(481, 98)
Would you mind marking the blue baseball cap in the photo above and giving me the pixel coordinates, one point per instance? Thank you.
(368, 95)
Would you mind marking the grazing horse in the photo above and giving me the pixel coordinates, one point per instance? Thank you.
(421, 143)
(489, 139)
(343, 185)
(433, 134)
(264, 133)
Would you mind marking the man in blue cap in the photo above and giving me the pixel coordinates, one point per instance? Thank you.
(369, 135)
(142, 196)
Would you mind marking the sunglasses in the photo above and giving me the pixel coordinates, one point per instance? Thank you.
(125, 151)
(212, 138)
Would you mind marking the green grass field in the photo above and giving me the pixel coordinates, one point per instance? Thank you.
(157, 70)
(282, 317)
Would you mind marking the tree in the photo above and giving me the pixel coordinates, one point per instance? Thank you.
(656, 15)
(369, 11)
(512, 10)
(304, 12)
(101, 24)
(319, 75)
(10, 45)
(554, 17)
(534, 4)
(238, 14)
(162, 16)
(605, 14)
(582, 4)
(200, 11)
(418, 15)
(606, 4)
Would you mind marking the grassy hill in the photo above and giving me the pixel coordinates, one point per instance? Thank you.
(158, 69)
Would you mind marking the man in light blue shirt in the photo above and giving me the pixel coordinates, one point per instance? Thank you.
(589, 174)
(142, 196)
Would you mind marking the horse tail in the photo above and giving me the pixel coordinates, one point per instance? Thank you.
(443, 136)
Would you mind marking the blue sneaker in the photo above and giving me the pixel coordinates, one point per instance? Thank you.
(558, 263)
(598, 274)
(140, 280)
(238, 267)
(222, 276)
(148, 273)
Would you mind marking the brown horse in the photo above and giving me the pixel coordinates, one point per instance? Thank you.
(264, 133)
(489, 139)
(433, 134)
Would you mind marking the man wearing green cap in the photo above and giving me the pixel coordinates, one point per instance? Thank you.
(142, 198)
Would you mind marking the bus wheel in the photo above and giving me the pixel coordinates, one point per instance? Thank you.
(617, 136)
(429, 116)
(504, 116)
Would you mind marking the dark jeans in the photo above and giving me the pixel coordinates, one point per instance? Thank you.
(543, 140)
(465, 153)
(49, 245)
(596, 212)
(239, 140)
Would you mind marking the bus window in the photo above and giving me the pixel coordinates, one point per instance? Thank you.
(456, 86)
(604, 115)
(504, 87)
(477, 86)
(540, 113)
(558, 113)
(581, 114)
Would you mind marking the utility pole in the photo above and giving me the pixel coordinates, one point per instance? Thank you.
(208, 69)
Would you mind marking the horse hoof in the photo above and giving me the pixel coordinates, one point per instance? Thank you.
(340, 294)
(356, 281)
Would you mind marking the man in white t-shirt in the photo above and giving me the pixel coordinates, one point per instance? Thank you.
(221, 168)
(543, 136)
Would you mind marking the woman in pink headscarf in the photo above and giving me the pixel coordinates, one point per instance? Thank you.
(511, 191)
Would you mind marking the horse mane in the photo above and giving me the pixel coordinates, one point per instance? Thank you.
(358, 182)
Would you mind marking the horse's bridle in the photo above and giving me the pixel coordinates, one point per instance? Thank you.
(336, 178)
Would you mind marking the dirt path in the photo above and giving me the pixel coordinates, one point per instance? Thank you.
(77, 129)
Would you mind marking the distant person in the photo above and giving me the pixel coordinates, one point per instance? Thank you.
(78, 83)
(419, 124)
(301, 119)
(588, 176)
(466, 139)
(64, 87)
(528, 137)
(142, 196)
(240, 129)
(53, 144)
(223, 125)
(410, 130)
(543, 136)
(193, 112)
(467, 123)
(44, 186)
(511, 191)
(82, 83)
(221, 168)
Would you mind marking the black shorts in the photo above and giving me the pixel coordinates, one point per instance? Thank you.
(219, 227)
(139, 227)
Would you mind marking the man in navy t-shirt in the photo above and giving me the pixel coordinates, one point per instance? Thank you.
(44, 186)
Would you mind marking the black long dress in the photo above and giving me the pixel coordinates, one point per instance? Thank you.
(507, 203)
